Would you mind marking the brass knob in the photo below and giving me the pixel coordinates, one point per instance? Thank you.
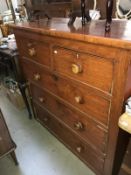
(78, 99)
(79, 149)
(37, 77)
(55, 51)
(41, 99)
(76, 68)
(77, 55)
(78, 126)
(32, 52)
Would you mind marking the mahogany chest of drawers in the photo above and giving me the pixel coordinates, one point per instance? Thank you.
(79, 79)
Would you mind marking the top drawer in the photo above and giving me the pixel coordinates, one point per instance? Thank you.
(92, 70)
(35, 50)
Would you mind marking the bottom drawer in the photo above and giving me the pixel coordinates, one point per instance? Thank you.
(72, 141)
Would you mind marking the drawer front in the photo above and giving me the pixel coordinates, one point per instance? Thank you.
(35, 50)
(80, 124)
(72, 141)
(87, 101)
(89, 69)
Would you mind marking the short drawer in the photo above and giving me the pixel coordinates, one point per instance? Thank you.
(80, 124)
(35, 50)
(92, 70)
(72, 141)
(97, 107)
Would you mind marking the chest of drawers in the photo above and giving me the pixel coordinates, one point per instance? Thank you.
(78, 80)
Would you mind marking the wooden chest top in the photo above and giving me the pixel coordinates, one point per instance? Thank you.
(93, 32)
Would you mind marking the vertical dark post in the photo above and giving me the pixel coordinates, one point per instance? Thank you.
(83, 11)
(12, 10)
(109, 9)
(7, 4)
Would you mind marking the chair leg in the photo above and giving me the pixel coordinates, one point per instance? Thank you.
(14, 157)
(22, 89)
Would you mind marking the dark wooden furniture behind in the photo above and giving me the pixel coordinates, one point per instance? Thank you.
(79, 78)
(62, 8)
(13, 58)
(126, 166)
(7, 146)
(59, 8)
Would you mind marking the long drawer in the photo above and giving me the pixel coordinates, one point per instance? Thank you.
(80, 124)
(92, 70)
(85, 100)
(75, 144)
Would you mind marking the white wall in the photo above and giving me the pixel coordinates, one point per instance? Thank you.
(126, 4)
(3, 6)
(15, 3)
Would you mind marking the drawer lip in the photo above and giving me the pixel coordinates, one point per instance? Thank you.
(102, 159)
(111, 59)
(83, 83)
(97, 91)
(97, 149)
(24, 58)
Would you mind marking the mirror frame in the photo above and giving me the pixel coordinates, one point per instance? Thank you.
(119, 12)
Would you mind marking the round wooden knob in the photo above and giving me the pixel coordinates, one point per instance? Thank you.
(76, 68)
(55, 77)
(37, 77)
(79, 149)
(41, 99)
(32, 52)
(78, 126)
(78, 99)
(29, 45)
